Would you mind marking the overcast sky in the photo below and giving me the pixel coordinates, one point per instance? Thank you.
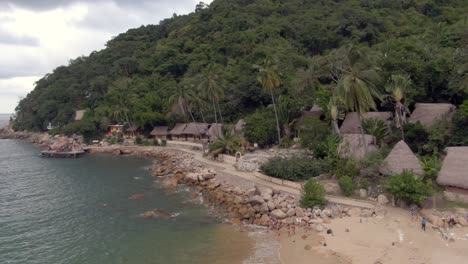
(38, 35)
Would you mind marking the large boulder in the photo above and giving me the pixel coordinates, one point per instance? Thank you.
(263, 208)
(299, 212)
(363, 193)
(291, 212)
(171, 183)
(264, 192)
(271, 205)
(278, 214)
(382, 199)
(331, 187)
(256, 199)
(191, 177)
(264, 220)
(462, 221)
(354, 212)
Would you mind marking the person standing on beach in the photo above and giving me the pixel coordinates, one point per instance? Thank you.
(423, 224)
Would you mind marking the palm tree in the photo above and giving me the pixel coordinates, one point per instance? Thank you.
(397, 86)
(229, 144)
(356, 84)
(210, 87)
(181, 98)
(334, 113)
(270, 80)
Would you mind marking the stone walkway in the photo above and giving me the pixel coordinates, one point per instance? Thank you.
(230, 170)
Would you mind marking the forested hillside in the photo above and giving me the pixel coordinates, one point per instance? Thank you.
(206, 63)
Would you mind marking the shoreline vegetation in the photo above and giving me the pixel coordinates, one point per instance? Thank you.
(333, 234)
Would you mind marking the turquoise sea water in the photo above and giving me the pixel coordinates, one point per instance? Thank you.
(78, 211)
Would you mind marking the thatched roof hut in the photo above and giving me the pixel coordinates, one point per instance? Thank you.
(159, 131)
(195, 129)
(178, 129)
(429, 114)
(239, 126)
(79, 114)
(351, 123)
(354, 146)
(399, 159)
(215, 131)
(454, 168)
(132, 128)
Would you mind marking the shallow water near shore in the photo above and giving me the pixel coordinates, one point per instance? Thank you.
(78, 211)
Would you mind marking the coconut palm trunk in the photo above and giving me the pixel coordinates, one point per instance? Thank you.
(276, 115)
(399, 114)
(363, 138)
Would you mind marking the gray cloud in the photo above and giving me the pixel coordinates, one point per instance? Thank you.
(9, 38)
(41, 5)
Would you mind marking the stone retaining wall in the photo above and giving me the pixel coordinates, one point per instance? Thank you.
(291, 184)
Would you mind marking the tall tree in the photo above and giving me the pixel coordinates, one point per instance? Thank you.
(270, 81)
(181, 99)
(357, 78)
(212, 88)
(398, 86)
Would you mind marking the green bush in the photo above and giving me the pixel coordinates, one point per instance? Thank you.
(377, 128)
(347, 185)
(138, 140)
(313, 194)
(363, 183)
(460, 128)
(295, 168)
(416, 137)
(431, 167)
(408, 187)
(163, 142)
(346, 167)
(260, 128)
(314, 134)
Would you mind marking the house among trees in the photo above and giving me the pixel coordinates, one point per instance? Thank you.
(132, 130)
(399, 159)
(453, 174)
(430, 114)
(160, 132)
(214, 132)
(355, 146)
(116, 129)
(351, 124)
(177, 132)
(79, 114)
(195, 131)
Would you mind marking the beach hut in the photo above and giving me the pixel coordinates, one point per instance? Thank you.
(430, 114)
(132, 130)
(214, 132)
(160, 132)
(176, 133)
(354, 146)
(454, 174)
(399, 159)
(195, 131)
(116, 129)
(79, 114)
(351, 123)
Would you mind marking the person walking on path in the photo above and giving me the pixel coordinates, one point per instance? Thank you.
(423, 224)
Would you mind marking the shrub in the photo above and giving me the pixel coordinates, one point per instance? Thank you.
(431, 167)
(163, 142)
(363, 183)
(416, 136)
(138, 140)
(460, 128)
(408, 187)
(346, 167)
(347, 185)
(313, 194)
(260, 128)
(295, 168)
(377, 128)
(314, 135)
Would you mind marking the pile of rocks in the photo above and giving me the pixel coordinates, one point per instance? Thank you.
(259, 205)
(436, 218)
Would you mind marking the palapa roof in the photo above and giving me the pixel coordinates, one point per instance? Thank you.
(429, 114)
(351, 123)
(178, 129)
(132, 128)
(454, 171)
(196, 129)
(399, 159)
(215, 131)
(239, 125)
(159, 131)
(79, 114)
(353, 146)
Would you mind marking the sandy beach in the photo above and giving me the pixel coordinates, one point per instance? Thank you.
(393, 239)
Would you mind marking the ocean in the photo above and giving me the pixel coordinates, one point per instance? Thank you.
(77, 211)
(4, 119)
